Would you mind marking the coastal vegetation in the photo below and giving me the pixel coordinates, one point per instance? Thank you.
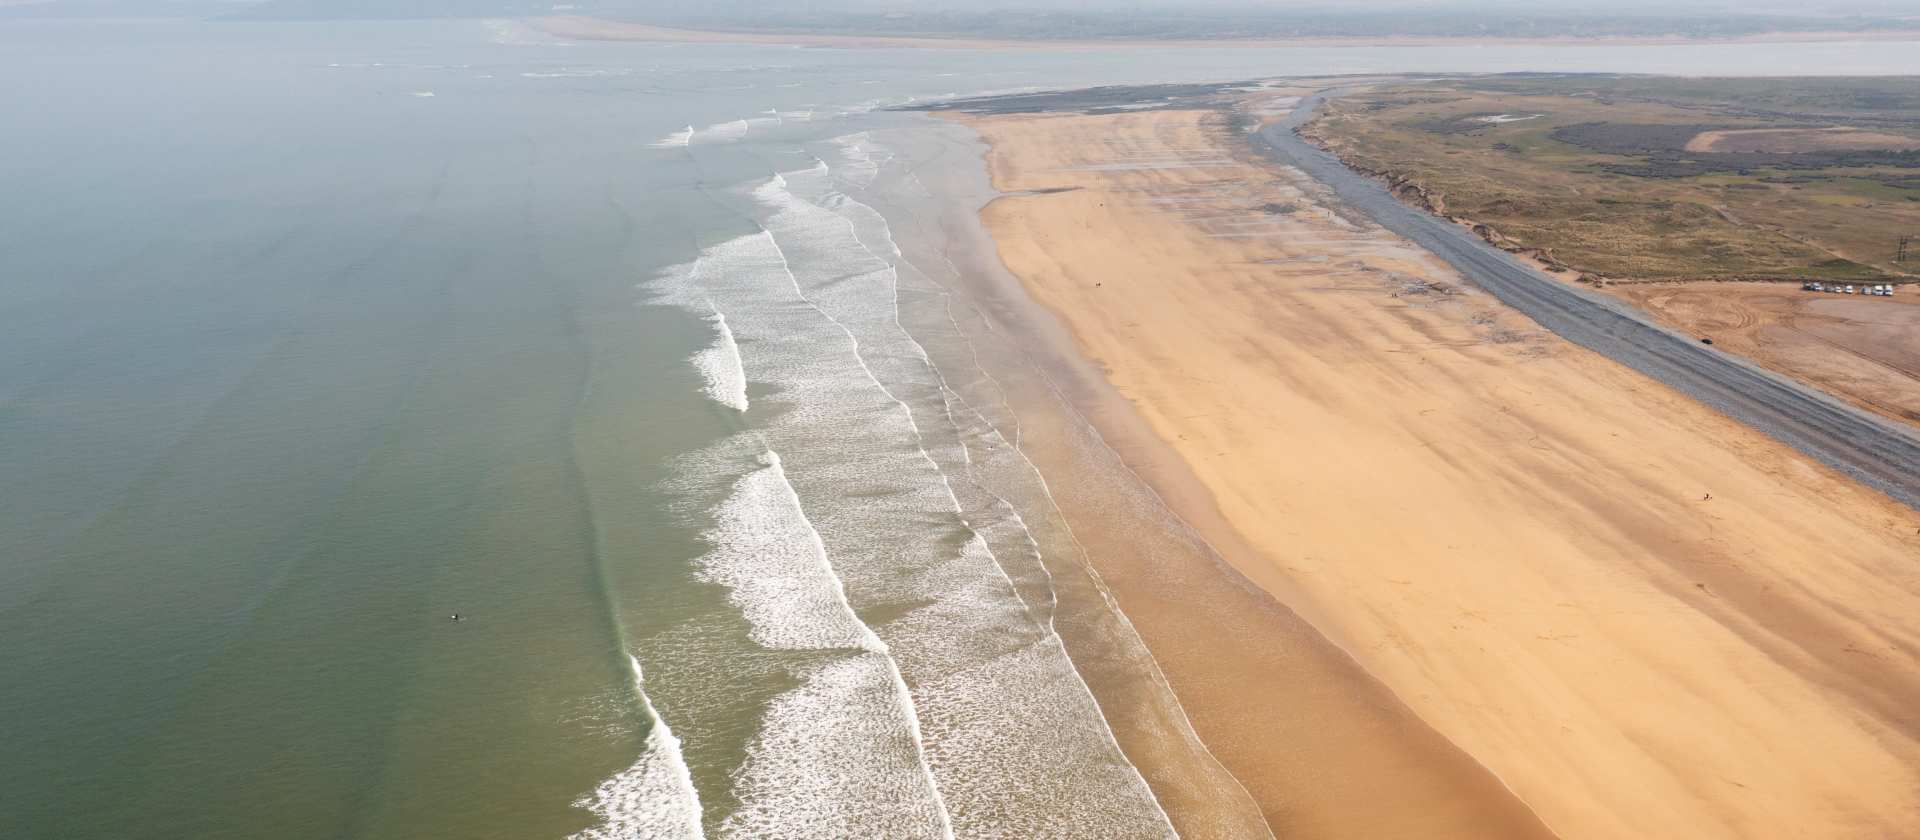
(1642, 178)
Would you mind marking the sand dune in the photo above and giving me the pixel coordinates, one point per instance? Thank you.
(1647, 620)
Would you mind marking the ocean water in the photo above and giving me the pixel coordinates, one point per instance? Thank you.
(645, 360)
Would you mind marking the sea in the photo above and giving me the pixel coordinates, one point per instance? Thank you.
(442, 429)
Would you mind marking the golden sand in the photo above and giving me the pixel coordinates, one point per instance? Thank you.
(1647, 620)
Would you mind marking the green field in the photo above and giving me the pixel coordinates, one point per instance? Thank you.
(1594, 172)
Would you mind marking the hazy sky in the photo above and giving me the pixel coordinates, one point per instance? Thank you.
(1534, 6)
(746, 10)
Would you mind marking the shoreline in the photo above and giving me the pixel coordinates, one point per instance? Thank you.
(1643, 550)
(1340, 738)
(601, 29)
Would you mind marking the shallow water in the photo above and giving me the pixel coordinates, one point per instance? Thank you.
(622, 353)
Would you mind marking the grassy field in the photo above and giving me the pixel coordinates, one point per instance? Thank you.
(1786, 178)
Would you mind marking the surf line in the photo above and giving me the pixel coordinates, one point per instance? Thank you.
(653, 798)
(676, 139)
(770, 478)
(720, 365)
(866, 640)
(766, 579)
(1052, 637)
(900, 682)
(947, 294)
(892, 268)
(723, 372)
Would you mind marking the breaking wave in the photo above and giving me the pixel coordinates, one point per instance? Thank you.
(776, 570)
(675, 139)
(655, 797)
(910, 607)
(720, 367)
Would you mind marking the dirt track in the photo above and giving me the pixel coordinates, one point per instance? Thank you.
(1866, 447)
(1865, 350)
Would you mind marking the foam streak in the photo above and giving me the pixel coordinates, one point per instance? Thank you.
(721, 368)
(654, 798)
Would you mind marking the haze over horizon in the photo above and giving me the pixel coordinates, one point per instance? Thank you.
(1076, 18)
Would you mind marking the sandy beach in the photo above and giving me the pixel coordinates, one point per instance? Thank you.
(1642, 618)
(1316, 746)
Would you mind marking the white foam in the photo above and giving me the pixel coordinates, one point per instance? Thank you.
(778, 794)
(776, 570)
(973, 622)
(732, 130)
(720, 366)
(654, 798)
(861, 158)
(1005, 734)
(833, 759)
(980, 408)
(675, 139)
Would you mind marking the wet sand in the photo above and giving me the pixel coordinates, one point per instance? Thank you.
(1643, 618)
(1316, 746)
